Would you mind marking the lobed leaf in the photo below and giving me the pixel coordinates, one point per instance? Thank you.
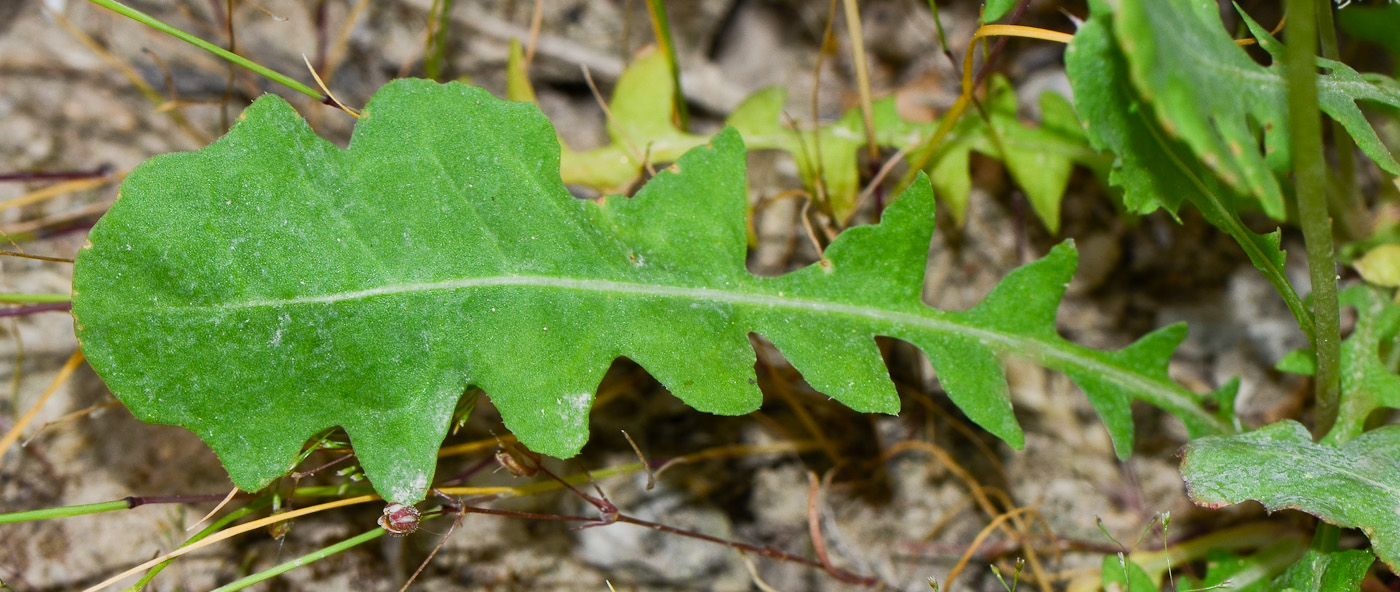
(1367, 383)
(1154, 169)
(272, 285)
(1356, 485)
(1181, 61)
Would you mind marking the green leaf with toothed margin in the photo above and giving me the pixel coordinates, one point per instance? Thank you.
(1207, 92)
(1355, 485)
(1154, 168)
(272, 285)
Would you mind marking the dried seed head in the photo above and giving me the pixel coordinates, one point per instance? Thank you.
(519, 462)
(399, 519)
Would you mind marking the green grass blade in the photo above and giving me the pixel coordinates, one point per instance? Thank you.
(168, 29)
(306, 559)
(64, 512)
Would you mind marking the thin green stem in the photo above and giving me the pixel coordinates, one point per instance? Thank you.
(1348, 203)
(1256, 535)
(208, 530)
(1326, 538)
(163, 27)
(437, 39)
(1310, 181)
(942, 38)
(35, 298)
(267, 574)
(64, 512)
(662, 25)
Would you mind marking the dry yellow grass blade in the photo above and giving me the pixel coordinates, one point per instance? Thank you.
(63, 374)
(56, 190)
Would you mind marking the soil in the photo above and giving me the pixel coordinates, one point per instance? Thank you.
(903, 520)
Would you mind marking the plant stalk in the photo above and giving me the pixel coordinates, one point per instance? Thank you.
(1310, 183)
(662, 27)
(1347, 199)
(166, 28)
(300, 561)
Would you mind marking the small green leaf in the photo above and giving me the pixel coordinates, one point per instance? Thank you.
(1380, 266)
(1327, 572)
(1118, 573)
(1356, 485)
(995, 9)
(1038, 158)
(1298, 361)
(272, 285)
(640, 127)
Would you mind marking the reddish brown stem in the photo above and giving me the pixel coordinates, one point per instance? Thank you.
(96, 173)
(29, 309)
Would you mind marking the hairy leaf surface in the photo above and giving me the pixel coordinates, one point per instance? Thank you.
(1367, 383)
(1355, 485)
(1208, 92)
(272, 285)
(1154, 169)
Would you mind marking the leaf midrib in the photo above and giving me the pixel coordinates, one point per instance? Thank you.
(1054, 353)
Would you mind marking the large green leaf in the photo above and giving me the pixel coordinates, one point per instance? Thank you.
(1208, 92)
(1154, 169)
(272, 285)
(1356, 485)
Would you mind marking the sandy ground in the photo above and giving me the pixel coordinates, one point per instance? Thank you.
(65, 107)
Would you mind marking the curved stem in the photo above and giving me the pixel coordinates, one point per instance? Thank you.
(945, 123)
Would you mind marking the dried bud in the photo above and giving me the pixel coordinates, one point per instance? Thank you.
(520, 462)
(399, 519)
